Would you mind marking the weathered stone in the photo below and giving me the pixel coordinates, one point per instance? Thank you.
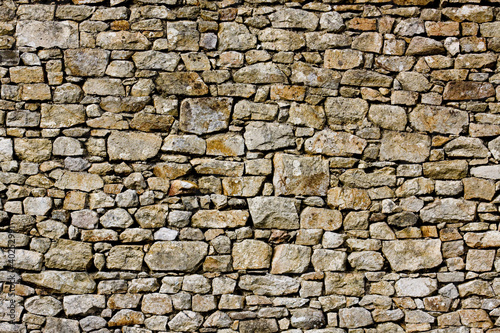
(64, 146)
(125, 257)
(482, 239)
(290, 258)
(62, 281)
(219, 219)
(37, 206)
(478, 14)
(490, 29)
(176, 256)
(79, 181)
(269, 285)
(133, 146)
(33, 150)
(61, 115)
(486, 171)
(83, 304)
(205, 115)
(54, 325)
(294, 18)
(348, 198)
(228, 144)
(43, 305)
(368, 42)
(343, 59)
(260, 73)
(280, 40)
(448, 210)
(389, 117)
(410, 147)
(122, 40)
(191, 144)
(424, 46)
(85, 62)
(126, 317)
(307, 318)
(413, 81)
(183, 36)
(181, 83)
(446, 169)
(365, 78)
(466, 90)
(6, 149)
(332, 143)
(366, 260)
(234, 36)
(322, 41)
(216, 167)
(70, 255)
(156, 60)
(274, 213)
(469, 147)
(410, 27)
(420, 287)
(268, 136)
(358, 178)
(248, 110)
(48, 34)
(355, 317)
(85, 219)
(473, 61)
(315, 77)
(328, 260)
(251, 254)
(340, 110)
(320, 218)
(439, 119)
(116, 218)
(412, 255)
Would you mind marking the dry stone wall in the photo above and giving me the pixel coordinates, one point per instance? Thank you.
(250, 166)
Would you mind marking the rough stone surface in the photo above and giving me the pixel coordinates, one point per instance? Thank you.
(412, 255)
(133, 146)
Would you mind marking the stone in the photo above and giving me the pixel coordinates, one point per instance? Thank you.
(82, 181)
(133, 146)
(473, 61)
(307, 318)
(64, 146)
(75, 305)
(181, 83)
(479, 260)
(245, 109)
(466, 90)
(448, 210)
(418, 287)
(37, 206)
(116, 218)
(410, 27)
(348, 198)
(191, 144)
(62, 115)
(280, 40)
(420, 46)
(486, 171)
(328, 260)
(489, 29)
(294, 18)
(300, 175)
(69, 255)
(260, 73)
(6, 149)
(62, 281)
(234, 36)
(43, 305)
(365, 78)
(219, 219)
(439, 119)
(390, 117)
(446, 169)
(332, 22)
(180, 256)
(358, 178)
(413, 81)
(315, 77)
(355, 317)
(366, 260)
(205, 115)
(86, 62)
(33, 150)
(482, 239)
(477, 188)
(330, 143)
(340, 110)
(156, 60)
(183, 36)
(468, 147)
(126, 317)
(320, 218)
(125, 257)
(368, 42)
(54, 325)
(228, 144)
(186, 321)
(122, 40)
(274, 213)
(269, 285)
(402, 146)
(478, 14)
(268, 136)
(104, 87)
(412, 255)
(290, 258)
(251, 254)
(321, 41)
(47, 34)
(343, 59)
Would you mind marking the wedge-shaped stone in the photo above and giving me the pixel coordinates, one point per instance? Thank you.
(341, 110)
(70, 255)
(274, 213)
(300, 175)
(449, 210)
(251, 254)
(290, 258)
(86, 62)
(133, 146)
(294, 18)
(156, 60)
(82, 181)
(219, 219)
(330, 143)
(424, 46)
(205, 115)
(478, 14)
(47, 34)
(266, 72)
(413, 254)
(468, 147)
(268, 136)
(401, 146)
(366, 78)
(269, 285)
(122, 40)
(320, 218)
(62, 115)
(176, 256)
(62, 281)
(467, 90)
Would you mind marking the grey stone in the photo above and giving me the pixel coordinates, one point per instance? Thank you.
(176, 256)
(274, 212)
(47, 34)
(205, 115)
(269, 285)
(133, 146)
(268, 136)
(412, 255)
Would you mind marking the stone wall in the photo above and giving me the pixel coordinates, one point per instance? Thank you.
(250, 166)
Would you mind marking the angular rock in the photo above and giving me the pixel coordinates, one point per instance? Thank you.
(294, 18)
(219, 219)
(181, 83)
(320, 218)
(186, 321)
(125, 257)
(62, 281)
(348, 198)
(419, 287)
(307, 318)
(85, 219)
(6, 149)
(315, 77)
(268, 136)
(64, 146)
(331, 143)
(340, 110)
(234, 36)
(205, 115)
(122, 40)
(307, 115)
(133, 146)
(43, 305)
(328, 260)
(156, 60)
(478, 14)
(358, 178)
(269, 285)
(69, 255)
(33, 150)
(83, 304)
(85, 62)
(183, 36)
(228, 144)
(389, 117)
(187, 144)
(469, 147)
(176, 256)
(321, 41)
(446, 169)
(104, 87)
(449, 210)
(486, 171)
(242, 186)
(280, 40)
(79, 181)
(266, 72)
(116, 218)
(62, 115)
(248, 110)
(366, 260)
(413, 81)
(126, 317)
(368, 42)
(274, 213)
(251, 254)
(439, 119)
(424, 46)
(47, 34)
(355, 317)
(37, 206)
(290, 258)
(343, 59)
(467, 90)
(365, 78)
(413, 254)
(401, 146)
(55, 325)
(482, 240)
(349, 284)
(300, 175)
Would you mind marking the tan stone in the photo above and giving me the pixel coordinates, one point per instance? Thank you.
(181, 83)
(251, 254)
(62, 115)
(242, 186)
(410, 147)
(330, 143)
(348, 198)
(412, 255)
(466, 90)
(343, 59)
(477, 188)
(205, 115)
(320, 218)
(227, 144)
(176, 256)
(290, 258)
(219, 219)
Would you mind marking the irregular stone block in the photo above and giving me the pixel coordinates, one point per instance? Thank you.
(176, 256)
(328, 260)
(86, 62)
(332, 143)
(251, 254)
(268, 136)
(290, 258)
(122, 40)
(448, 210)
(274, 213)
(156, 60)
(133, 146)
(205, 115)
(401, 146)
(219, 219)
(181, 83)
(340, 110)
(260, 73)
(70, 255)
(413, 254)
(47, 34)
(62, 281)
(33, 150)
(62, 115)
(234, 36)
(320, 218)
(79, 181)
(419, 287)
(269, 285)
(465, 90)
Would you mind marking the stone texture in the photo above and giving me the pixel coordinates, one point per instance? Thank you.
(410, 147)
(47, 34)
(412, 255)
(268, 136)
(290, 258)
(176, 256)
(251, 254)
(205, 115)
(274, 212)
(331, 143)
(133, 146)
(181, 83)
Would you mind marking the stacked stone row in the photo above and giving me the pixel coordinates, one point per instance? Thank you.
(257, 166)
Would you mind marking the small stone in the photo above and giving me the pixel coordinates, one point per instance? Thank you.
(82, 181)
(116, 218)
(389, 117)
(148, 122)
(320, 218)
(355, 317)
(365, 78)
(186, 321)
(424, 46)
(125, 257)
(234, 36)
(75, 305)
(280, 40)
(290, 258)
(368, 42)
(219, 219)
(269, 285)
(64, 146)
(228, 144)
(183, 36)
(328, 260)
(54, 325)
(332, 143)
(181, 83)
(126, 317)
(410, 147)
(205, 115)
(268, 136)
(191, 144)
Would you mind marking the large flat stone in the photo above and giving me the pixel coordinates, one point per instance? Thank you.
(174, 256)
(268, 136)
(86, 62)
(274, 212)
(82, 181)
(62, 115)
(133, 146)
(47, 34)
(467, 90)
(62, 281)
(219, 219)
(439, 119)
(413, 254)
(181, 83)
(330, 143)
(269, 285)
(402, 146)
(449, 210)
(205, 115)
